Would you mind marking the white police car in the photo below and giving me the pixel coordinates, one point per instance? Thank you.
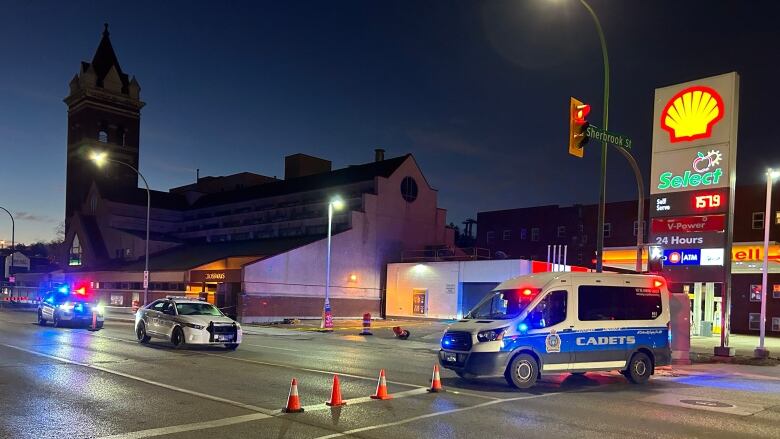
(183, 321)
(563, 322)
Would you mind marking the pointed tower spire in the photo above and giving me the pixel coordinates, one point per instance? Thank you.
(105, 30)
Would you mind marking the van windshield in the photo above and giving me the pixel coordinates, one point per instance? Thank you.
(502, 305)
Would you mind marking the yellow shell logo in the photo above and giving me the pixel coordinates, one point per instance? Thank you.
(692, 113)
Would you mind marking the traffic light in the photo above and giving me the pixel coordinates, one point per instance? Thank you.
(578, 127)
(655, 259)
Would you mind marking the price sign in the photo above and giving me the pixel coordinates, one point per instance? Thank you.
(690, 203)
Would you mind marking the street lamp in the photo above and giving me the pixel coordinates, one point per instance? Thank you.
(761, 351)
(336, 203)
(100, 159)
(13, 244)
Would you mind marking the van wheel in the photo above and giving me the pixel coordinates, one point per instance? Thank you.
(522, 372)
(41, 320)
(639, 368)
(177, 338)
(56, 321)
(231, 346)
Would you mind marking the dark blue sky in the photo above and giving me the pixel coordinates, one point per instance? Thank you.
(477, 91)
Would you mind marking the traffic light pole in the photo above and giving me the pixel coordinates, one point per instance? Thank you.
(640, 186)
(603, 175)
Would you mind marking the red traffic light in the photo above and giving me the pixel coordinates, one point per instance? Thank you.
(580, 113)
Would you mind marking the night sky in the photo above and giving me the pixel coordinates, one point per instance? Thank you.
(477, 91)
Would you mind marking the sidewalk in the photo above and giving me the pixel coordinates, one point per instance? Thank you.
(744, 345)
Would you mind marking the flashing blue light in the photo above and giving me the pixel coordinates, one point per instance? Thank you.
(63, 289)
(522, 327)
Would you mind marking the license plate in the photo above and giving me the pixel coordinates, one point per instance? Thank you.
(450, 357)
(224, 338)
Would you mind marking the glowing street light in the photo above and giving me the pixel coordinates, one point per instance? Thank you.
(336, 203)
(100, 158)
(761, 351)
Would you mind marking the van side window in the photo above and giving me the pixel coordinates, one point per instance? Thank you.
(599, 302)
(550, 311)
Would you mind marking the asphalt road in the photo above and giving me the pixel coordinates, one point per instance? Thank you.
(72, 383)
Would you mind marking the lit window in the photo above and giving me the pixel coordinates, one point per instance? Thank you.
(776, 324)
(523, 234)
(758, 221)
(607, 230)
(490, 237)
(102, 136)
(507, 235)
(754, 321)
(561, 231)
(74, 257)
(777, 217)
(644, 224)
(535, 233)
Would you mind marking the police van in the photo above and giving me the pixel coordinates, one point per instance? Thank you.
(563, 322)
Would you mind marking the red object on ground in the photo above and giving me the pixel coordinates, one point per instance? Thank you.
(401, 333)
(381, 387)
(335, 394)
(293, 401)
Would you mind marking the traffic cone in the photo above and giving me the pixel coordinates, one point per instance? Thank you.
(93, 327)
(436, 380)
(335, 394)
(293, 402)
(381, 387)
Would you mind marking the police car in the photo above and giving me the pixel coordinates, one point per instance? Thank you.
(563, 322)
(186, 321)
(63, 306)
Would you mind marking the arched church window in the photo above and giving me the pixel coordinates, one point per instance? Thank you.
(75, 253)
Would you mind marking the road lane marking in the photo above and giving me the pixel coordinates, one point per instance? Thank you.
(269, 347)
(305, 369)
(361, 400)
(432, 415)
(224, 422)
(144, 380)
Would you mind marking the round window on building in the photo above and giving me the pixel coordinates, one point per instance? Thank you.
(409, 189)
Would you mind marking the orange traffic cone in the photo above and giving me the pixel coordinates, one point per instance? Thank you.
(335, 394)
(381, 387)
(293, 402)
(436, 380)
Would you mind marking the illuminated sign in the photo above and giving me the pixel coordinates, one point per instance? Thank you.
(699, 202)
(706, 169)
(215, 276)
(682, 257)
(694, 256)
(698, 240)
(712, 256)
(707, 201)
(686, 224)
(691, 114)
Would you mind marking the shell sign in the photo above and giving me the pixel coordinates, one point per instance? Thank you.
(691, 114)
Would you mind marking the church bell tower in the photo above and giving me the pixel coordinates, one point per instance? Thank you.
(104, 114)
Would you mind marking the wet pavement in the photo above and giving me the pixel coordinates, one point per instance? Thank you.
(72, 383)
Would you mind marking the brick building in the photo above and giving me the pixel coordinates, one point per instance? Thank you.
(526, 233)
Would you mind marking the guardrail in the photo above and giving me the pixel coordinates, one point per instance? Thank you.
(446, 254)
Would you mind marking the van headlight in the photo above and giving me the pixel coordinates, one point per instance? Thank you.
(491, 335)
(193, 326)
